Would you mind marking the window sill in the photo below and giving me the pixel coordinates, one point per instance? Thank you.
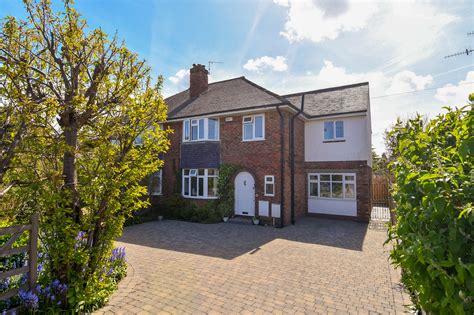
(265, 195)
(334, 141)
(337, 199)
(197, 197)
(155, 195)
(253, 140)
(203, 140)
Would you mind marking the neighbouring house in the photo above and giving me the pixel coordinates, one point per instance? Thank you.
(307, 153)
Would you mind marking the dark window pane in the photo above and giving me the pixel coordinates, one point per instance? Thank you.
(325, 190)
(212, 187)
(186, 186)
(194, 132)
(337, 178)
(313, 189)
(337, 190)
(194, 186)
(326, 177)
(201, 186)
(269, 189)
(186, 130)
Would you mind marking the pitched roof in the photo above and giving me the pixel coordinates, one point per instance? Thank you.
(223, 96)
(336, 100)
(242, 94)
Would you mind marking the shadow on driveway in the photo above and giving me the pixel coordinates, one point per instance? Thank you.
(228, 241)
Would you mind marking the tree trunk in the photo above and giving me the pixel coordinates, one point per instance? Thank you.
(69, 163)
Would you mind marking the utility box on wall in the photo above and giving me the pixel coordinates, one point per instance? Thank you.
(276, 210)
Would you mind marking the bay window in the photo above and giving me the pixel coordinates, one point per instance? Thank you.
(253, 127)
(201, 129)
(333, 186)
(200, 183)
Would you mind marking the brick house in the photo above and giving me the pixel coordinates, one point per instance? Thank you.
(307, 153)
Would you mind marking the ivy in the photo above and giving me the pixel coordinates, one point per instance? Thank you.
(225, 188)
(433, 237)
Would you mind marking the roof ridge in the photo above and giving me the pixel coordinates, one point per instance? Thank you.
(340, 87)
(236, 78)
(279, 97)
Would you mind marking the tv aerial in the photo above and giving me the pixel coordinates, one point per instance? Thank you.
(211, 63)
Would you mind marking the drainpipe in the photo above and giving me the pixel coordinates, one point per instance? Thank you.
(282, 166)
(292, 159)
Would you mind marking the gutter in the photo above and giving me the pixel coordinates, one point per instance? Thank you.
(292, 158)
(282, 167)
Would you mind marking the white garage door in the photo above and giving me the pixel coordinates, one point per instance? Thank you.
(332, 193)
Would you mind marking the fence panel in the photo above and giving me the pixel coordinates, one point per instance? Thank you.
(31, 249)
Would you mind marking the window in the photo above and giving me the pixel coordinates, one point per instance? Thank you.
(333, 130)
(201, 129)
(334, 186)
(253, 127)
(154, 185)
(269, 185)
(200, 183)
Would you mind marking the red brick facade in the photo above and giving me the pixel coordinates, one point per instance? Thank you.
(261, 158)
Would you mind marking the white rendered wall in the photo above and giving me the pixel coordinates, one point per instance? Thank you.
(355, 147)
(332, 206)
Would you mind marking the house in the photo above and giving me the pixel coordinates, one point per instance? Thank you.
(301, 154)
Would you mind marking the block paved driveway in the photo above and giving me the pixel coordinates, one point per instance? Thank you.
(317, 266)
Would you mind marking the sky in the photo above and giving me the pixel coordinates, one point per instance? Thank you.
(291, 46)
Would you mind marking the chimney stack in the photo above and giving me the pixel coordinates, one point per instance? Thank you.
(198, 81)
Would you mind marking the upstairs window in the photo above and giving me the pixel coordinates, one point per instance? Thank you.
(201, 129)
(253, 128)
(333, 130)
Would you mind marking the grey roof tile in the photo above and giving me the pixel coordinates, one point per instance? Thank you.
(240, 94)
(336, 100)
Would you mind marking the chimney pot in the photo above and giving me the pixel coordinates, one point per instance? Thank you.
(198, 80)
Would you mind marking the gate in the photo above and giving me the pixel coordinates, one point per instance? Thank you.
(32, 250)
(381, 201)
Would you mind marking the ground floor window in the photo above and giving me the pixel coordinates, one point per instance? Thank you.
(333, 186)
(155, 183)
(200, 183)
(269, 185)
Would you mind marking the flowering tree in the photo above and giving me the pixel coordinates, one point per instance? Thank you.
(100, 138)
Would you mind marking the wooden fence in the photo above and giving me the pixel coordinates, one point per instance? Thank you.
(31, 249)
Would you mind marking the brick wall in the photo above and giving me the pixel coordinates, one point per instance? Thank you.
(363, 181)
(172, 158)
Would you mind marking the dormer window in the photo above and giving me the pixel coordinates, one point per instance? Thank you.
(334, 130)
(253, 128)
(201, 129)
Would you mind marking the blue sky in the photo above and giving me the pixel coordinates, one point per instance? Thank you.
(291, 46)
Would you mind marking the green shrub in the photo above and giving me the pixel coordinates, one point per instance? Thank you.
(433, 237)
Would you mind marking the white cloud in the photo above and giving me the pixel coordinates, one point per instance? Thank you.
(283, 3)
(179, 76)
(258, 64)
(318, 20)
(456, 95)
(409, 31)
(407, 81)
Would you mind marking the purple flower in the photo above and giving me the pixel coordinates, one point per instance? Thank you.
(28, 299)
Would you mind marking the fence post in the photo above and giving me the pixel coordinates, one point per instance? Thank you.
(33, 252)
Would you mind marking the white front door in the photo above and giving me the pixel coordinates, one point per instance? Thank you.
(244, 186)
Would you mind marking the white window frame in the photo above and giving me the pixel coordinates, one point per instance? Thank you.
(187, 137)
(344, 182)
(160, 176)
(269, 180)
(335, 137)
(205, 178)
(252, 121)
